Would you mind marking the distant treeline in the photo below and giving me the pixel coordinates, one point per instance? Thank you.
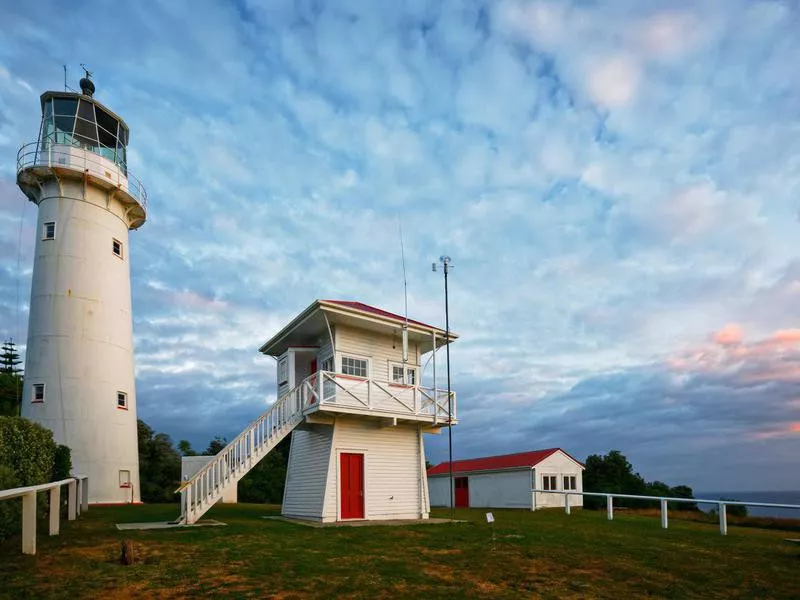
(160, 468)
(614, 474)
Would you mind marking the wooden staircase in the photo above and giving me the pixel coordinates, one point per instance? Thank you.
(206, 487)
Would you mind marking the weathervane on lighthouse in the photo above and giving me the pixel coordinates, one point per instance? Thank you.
(79, 364)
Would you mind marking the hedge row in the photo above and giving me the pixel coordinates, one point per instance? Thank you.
(28, 456)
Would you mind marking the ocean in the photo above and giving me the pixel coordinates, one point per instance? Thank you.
(758, 511)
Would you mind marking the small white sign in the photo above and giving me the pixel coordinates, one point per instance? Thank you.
(489, 518)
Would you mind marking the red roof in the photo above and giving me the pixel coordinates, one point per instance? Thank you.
(495, 463)
(378, 311)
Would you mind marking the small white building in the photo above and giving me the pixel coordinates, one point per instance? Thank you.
(190, 465)
(507, 481)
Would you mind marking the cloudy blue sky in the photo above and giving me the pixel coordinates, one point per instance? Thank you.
(617, 184)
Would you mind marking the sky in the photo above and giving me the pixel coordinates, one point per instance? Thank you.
(616, 183)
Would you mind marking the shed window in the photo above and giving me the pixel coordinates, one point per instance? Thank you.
(38, 392)
(122, 400)
(327, 364)
(49, 230)
(354, 366)
(570, 482)
(549, 483)
(116, 247)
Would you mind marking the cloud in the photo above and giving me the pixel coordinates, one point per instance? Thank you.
(616, 184)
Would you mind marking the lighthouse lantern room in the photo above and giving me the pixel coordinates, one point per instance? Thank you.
(79, 365)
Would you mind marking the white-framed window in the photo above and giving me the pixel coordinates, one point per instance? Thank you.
(355, 366)
(38, 392)
(124, 479)
(116, 247)
(49, 230)
(570, 482)
(549, 483)
(283, 370)
(404, 374)
(122, 400)
(327, 364)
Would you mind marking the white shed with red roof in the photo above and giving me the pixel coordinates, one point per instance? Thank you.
(506, 481)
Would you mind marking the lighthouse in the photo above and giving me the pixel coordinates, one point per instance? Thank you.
(79, 364)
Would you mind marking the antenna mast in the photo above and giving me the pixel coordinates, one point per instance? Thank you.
(405, 293)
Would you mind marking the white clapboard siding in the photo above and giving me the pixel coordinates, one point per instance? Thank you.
(377, 347)
(509, 489)
(392, 465)
(305, 477)
(558, 464)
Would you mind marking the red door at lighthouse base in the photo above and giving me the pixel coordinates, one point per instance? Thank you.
(351, 469)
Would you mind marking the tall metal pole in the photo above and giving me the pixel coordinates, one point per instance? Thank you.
(446, 261)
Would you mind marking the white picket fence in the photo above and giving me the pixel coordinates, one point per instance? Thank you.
(663, 500)
(77, 502)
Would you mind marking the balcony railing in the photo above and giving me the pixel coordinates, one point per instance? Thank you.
(78, 158)
(365, 394)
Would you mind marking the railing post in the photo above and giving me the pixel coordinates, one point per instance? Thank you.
(79, 502)
(664, 517)
(85, 495)
(723, 518)
(29, 523)
(566, 504)
(320, 387)
(610, 507)
(55, 513)
(72, 498)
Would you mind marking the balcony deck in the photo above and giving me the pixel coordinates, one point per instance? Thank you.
(328, 392)
(34, 163)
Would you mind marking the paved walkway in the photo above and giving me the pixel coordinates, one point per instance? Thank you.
(168, 525)
(365, 523)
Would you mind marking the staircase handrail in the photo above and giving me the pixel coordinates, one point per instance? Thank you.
(239, 438)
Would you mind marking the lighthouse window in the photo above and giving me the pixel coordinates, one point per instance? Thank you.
(65, 106)
(49, 230)
(125, 479)
(122, 400)
(116, 247)
(38, 392)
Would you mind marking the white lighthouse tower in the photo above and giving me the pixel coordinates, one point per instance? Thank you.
(79, 380)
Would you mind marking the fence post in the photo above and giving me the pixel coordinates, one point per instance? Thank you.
(610, 507)
(79, 502)
(55, 513)
(85, 495)
(723, 518)
(566, 504)
(72, 488)
(29, 523)
(664, 517)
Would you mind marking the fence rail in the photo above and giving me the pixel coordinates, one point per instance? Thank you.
(664, 500)
(77, 501)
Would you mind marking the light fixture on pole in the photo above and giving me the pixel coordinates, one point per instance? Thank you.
(446, 266)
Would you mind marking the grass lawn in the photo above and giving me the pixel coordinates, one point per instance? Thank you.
(537, 555)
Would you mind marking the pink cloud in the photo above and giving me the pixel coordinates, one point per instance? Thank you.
(786, 336)
(195, 300)
(729, 335)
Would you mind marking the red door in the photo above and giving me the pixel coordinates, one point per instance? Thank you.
(351, 467)
(462, 492)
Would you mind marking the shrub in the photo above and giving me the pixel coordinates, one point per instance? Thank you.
(10, 510)
(28, 456)
(62, 463)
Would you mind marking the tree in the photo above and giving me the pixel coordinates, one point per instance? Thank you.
(159, 465)
(9, 358)
(215, 446)
(266, 481)
(10, 380)
(185, 448)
